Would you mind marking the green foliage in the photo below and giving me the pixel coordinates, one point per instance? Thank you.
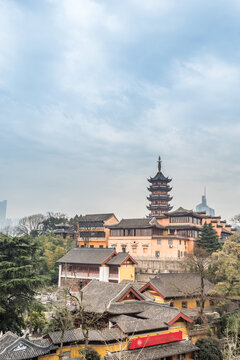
(18, 280)
(51, 248)
(209, 349)
(208, 239)
(226, 265)
(92, 354)
(53, 219)
(35, 320)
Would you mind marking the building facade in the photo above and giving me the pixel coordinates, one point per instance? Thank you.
(80, 265)
(172, 235)
(93, 230)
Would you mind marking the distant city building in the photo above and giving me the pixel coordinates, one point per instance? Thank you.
(203, 207)
(159, 197)
(3, 210)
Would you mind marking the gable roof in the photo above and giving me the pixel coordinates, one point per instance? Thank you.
(172, 285)
(21, 349)
(181, 212)
(130, 325)
(120, 258)
(98, 295)
(95, 256)
(97, 217)
(137, 223)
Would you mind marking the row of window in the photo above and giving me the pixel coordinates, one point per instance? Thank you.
(184, 304)
(185, 219)
(92, 246)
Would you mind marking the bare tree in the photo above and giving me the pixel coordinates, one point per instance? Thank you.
(199, 262)
(30, 225)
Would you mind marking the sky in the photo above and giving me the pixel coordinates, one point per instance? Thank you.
(93, 91)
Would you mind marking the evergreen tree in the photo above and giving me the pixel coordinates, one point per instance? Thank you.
(208, 239)
(208, 350)
(18, 280)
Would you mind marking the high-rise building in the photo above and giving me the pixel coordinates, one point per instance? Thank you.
(3, 209)
(159, 197)
(203, 207)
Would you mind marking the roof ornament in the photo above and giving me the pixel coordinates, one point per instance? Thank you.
(159, 164)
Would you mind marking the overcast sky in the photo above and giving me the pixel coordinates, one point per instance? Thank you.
(91, 92)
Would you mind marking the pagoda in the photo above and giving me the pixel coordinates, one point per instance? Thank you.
(159, 197)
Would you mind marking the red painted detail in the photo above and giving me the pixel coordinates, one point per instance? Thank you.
(129, 258)
(149, 285)
(155, 340)
(180, 316)
(105, 261)
(131, 290)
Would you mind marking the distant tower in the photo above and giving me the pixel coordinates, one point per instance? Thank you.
(3, 209)
(204, 207)
(159, 197)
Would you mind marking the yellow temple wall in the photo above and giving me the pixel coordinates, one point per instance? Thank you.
(127, 272)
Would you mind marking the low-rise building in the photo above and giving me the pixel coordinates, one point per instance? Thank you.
(81, 265)
(180, 290)
(93, 230)
(172, 235)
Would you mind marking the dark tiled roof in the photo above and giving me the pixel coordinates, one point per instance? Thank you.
(130, 325)
(7, 339)
(94, 256)
(118, 259)
(159, 177)
(173, 285)
(136, 224)
(155, 352)
(129, 307)
(98, 295)
(76, 336)
(97, 217)
(181, 211)
(22, 349)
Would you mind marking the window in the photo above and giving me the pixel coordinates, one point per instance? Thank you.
(184, 304)
(101, 246)
(157, 254)
(123, 248)
(91, 246)
(69, 267)
(170, 243)
(159, 242)
(171, 304)
(82, 246)
(197, 303)
(180, 241)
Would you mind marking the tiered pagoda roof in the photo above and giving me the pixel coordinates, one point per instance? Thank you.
(159, 197)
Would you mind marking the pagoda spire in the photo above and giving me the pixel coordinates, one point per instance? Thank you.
(159, 164)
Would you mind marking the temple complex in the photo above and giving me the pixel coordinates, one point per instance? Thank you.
(159, 197)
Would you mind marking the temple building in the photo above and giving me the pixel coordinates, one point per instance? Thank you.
(203, 207)
(159, 193)
(93, 231)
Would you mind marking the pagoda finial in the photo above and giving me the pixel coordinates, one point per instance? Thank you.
(159, 164)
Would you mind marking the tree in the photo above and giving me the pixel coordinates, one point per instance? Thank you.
(51, 220)
(92, 354)
(51, 248)
(208, 239)
(209, 349)
(226, 265)
(199, 262)
(19, 280)
(30, 225)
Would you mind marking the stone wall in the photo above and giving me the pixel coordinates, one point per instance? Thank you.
(148, 268)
